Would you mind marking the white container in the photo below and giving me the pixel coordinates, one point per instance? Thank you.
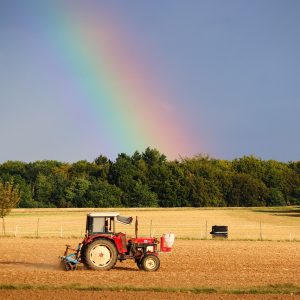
(169, 239)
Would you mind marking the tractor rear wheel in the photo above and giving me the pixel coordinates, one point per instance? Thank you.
(150, 263)
(101, 254)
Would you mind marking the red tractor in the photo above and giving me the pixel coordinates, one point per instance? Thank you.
(102, 246)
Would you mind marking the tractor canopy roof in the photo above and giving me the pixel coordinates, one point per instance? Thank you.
(115, 215)
(103, 214)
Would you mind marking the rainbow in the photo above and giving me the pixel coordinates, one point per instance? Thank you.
(114, 84)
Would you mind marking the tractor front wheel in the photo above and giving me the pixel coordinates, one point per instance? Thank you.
(101, 254)
(150, 263)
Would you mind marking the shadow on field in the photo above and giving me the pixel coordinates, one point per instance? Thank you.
(295, 212)
(125, 269)
(46, 266)
(42, 266)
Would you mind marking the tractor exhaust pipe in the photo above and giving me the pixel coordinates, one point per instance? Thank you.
(136, 227)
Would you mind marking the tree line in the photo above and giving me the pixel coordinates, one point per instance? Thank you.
(148, 179)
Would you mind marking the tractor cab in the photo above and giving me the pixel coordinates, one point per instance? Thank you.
(104, 222)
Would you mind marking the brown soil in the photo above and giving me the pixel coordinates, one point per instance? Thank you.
(78, 295)
(209, 264)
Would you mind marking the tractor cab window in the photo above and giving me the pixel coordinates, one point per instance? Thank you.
(100, 225)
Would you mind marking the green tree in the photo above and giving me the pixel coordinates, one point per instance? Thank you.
(297, 196)
(148, 178)
(103, 194)
(255, 167)
(85, 169)
(141, 196)
(76, 192)
(14, 168)
(247, 191)
(25, 189)
(43, 189)
(124, 173)
(9, 198)
(276, 198)
(282, 177)
(168, 181)
(204, 193)
(102, 167)
(153, 157)
(295, 166)
(207, 179)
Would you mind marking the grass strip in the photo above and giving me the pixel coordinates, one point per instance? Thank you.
(270, 289)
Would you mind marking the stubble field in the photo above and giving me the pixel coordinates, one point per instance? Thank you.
(281, 223)
(206, 269)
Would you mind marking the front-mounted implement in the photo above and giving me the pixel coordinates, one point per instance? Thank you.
(102, 246)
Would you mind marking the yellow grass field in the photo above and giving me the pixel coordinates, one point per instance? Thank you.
(244, 223)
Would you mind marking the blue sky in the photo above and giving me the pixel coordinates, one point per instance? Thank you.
(233, 66)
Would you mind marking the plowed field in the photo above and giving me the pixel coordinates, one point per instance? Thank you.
(220, 265)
